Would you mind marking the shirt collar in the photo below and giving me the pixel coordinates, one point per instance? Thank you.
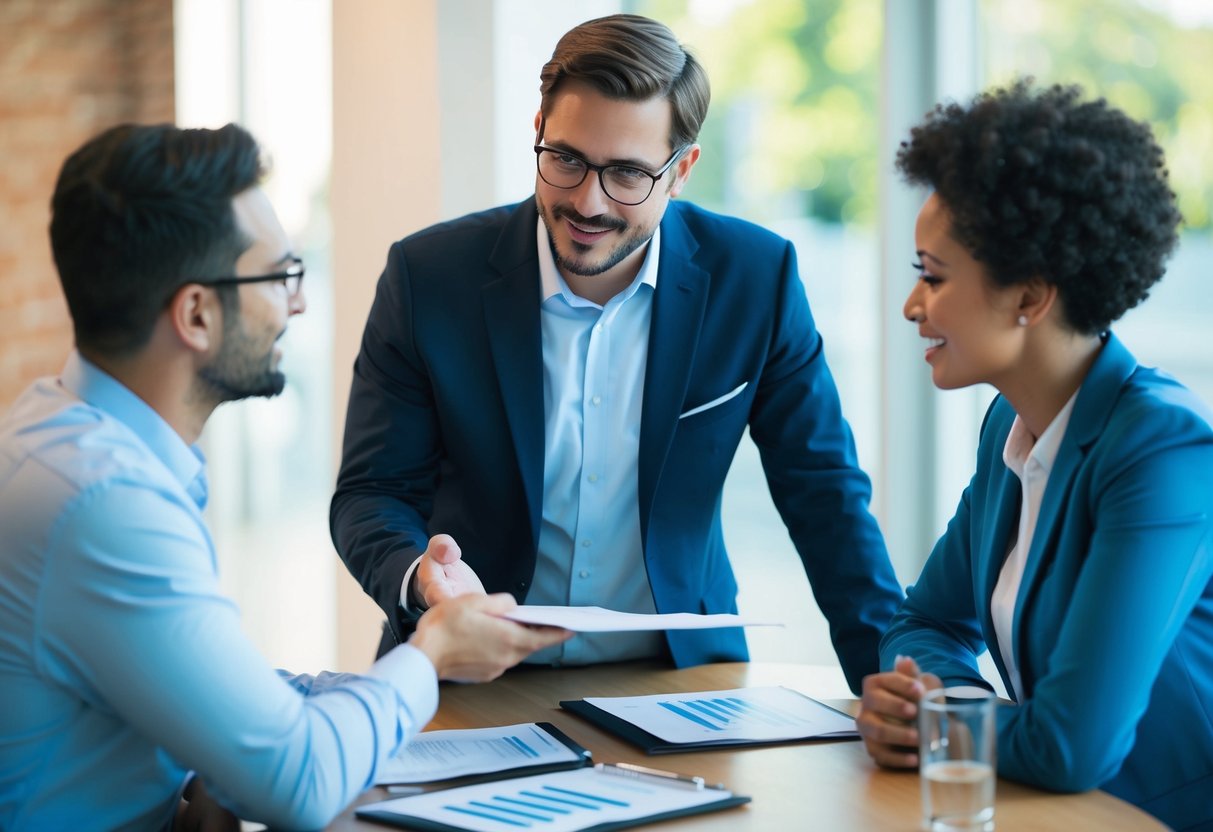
(101, 390)
(552, 283)
(1020, 447)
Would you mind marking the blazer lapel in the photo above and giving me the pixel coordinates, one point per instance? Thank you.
(1001, 517)
(511, 316)
(678, 309)
(1096, 397)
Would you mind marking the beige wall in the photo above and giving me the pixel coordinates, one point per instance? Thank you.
(385, 184)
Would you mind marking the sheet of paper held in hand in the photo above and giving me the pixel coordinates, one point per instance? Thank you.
(600, 620)
(741, 715)
(441, 755)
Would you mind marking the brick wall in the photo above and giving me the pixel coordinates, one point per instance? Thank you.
(68, 69)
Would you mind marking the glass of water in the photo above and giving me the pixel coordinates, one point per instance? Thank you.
(956, 739)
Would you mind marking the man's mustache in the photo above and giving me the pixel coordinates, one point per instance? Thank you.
(602, 221)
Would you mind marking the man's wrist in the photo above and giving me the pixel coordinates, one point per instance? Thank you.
(412, 603)
(415, 600)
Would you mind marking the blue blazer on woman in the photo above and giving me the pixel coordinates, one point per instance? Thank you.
(1113, 626)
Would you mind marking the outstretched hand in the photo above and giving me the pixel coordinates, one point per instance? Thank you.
(888, 715)
(442, 574)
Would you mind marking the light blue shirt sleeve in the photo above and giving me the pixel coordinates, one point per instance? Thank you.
(136, 623)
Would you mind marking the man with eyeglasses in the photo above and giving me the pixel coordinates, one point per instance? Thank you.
(129, 695)
(549, 395)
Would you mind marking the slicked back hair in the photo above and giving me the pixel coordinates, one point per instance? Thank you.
(632, 58)
(139, 211)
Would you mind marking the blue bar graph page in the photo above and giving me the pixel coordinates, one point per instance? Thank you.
(441, 755)
(563, 801)
(765, 714)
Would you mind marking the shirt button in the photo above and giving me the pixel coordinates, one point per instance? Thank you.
(593, 478)
(598, 328)
(597, 400)
(585, 544)
(584, 573)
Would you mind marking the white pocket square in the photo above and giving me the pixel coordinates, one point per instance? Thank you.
(715, 402)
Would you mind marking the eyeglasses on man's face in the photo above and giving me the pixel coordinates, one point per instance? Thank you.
(291, 278)
(625, 184)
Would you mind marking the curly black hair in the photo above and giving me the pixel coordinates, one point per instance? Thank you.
(1042, 183)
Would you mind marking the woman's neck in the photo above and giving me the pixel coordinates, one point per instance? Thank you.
(1054, 365)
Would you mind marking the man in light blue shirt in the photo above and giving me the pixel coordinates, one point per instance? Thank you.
(123, 668)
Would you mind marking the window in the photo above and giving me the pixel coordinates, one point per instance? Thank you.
(1150, 58)
(266, 65)
(791, 142)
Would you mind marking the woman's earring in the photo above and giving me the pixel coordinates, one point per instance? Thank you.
(1023, 320)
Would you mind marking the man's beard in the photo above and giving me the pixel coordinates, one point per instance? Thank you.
(628, 244)
(238, 371)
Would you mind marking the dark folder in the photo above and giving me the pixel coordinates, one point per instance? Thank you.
(579, 800)
(652, 744)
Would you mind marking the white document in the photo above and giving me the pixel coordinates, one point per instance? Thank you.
(563, 801)
(727, 716)
(600, 620)
(441, 755)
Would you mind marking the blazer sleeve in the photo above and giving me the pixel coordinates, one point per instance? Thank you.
(813, 473)
(938, 625)
(1147, 564)
(1140, 567)
(390, 456)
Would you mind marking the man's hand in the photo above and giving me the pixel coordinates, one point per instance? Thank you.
(888, 715)
(198, 812)
(442, 574)
(466, 639)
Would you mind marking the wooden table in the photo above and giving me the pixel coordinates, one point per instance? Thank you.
(830, 786)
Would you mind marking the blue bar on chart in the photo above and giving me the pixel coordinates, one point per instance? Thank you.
(544, 805)
(718, 714)
(517, 743)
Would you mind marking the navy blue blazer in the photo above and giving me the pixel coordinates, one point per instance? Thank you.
(445, 425)
(1113, 625)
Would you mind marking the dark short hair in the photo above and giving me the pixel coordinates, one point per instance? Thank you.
(1041, 183)
(634, 58)
(138, 212)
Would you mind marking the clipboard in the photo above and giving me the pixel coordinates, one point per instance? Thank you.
(651, 743)
(597, 799)
(574, 756)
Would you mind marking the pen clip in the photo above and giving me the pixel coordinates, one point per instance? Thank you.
(653, 775)
(402, 790)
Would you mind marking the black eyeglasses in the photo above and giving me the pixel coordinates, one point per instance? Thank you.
(292, 278)
(625, 184)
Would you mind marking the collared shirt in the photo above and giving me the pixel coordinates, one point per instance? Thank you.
(590, 550)
(1031, 461)
(122, 664)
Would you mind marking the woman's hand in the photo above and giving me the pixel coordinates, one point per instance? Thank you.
(888, 714)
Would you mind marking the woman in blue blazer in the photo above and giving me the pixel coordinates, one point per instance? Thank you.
(1080, 552)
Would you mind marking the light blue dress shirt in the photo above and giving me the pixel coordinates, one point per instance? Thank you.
(122, 664)
(590, 550)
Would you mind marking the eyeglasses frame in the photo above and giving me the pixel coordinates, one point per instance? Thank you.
(541, 148)
(295, 270)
